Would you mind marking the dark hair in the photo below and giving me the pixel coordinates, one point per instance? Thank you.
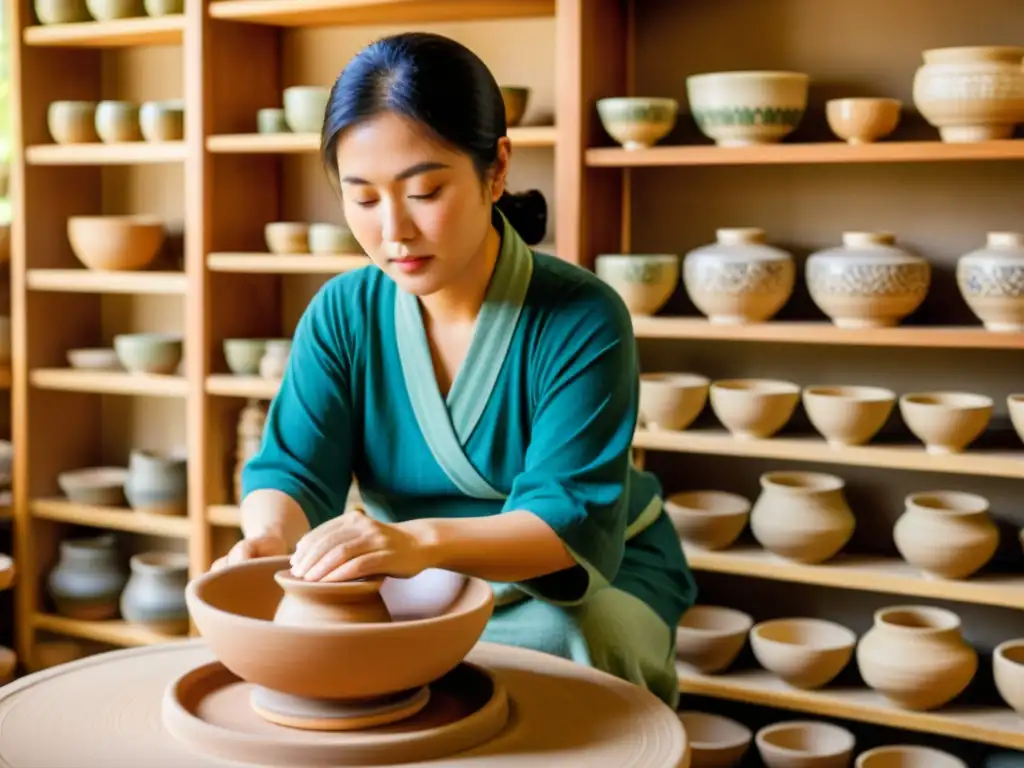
(443, 85)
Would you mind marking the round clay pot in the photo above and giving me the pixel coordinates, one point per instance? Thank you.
(715, 741)
(88, 578)
(744, 108)
(305, 106)
(154, 353)
(672, 400)
(154, 596)
(710, 637)
(802, 516)
(287, 237)
(157, 483)
(847, 416)
(710, 520)
(118, 121)
(1008, 670)
(243, 355)
(61, 11)
(515, 99)
(332, 238)
(754, 409)
(321, 603)
(916, 657)
(988, 278)
(900, 756)
(72, 122)
(644, 281)
(108, 10)
(946, 422)
(862, 120)
(947, 534)
(804, 653)
(637, 122)
(271, 120)
(164, 7)
(162, 120)
(805, 744)
(94, 486)
(111, 243)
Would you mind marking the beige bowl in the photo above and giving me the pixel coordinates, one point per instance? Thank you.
(946, 422)
(116, 242)
(901, 756)
(672, 400)
(754, 408)
(864, 120)
(287, 237)
(1015, 406)
(709, 520)
(94, 486)
(515, 98)
(324, 237)
(710, 637)
(848, 415)
(805, 653)
(715, 741)
(645, 281)
(94, 359)
(744, 108)
(72, 122)
(805, 744)
(1008, 670)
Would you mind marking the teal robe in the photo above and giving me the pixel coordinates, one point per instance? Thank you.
(540, 417)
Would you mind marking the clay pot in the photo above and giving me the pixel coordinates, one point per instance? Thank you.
(989, 280)
(900, 756)
(94, 359)
(848, 415)
(116, 242)
(164, 7)
(515, 99)
(802, 516)
(117, 121)
(754, 409)
(710, 637)
(320, 603)
(154, 596)
(805, 744)
(243, 355)
(88, 579)
(739, 279)
(287, 237)
(275, 358)
(916, 657)
(154, 353)
(947, 534)
(157, 483)
(715, 741)
(271, 120)
(72, 122)
(61, 11)
(305, 107)
(644, 281)
(637, 122)
(946, 422)
(710, 520)
(1015, 407)
(332, 238)
(804, 653)
(862, 120)
(108, 10)
(743, 108)
(1008, 670)
(94, 486)
(672, 400)
(162, 120)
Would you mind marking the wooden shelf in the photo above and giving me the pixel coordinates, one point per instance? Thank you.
(163, 30)
(126, 153)
(5, 377)
(825, 333)
(229, 385)
(826, 153)
(223, 515)
(998, 725)
(815, 449)
(884, 575)
(111, 518)
(288, 264)
(94, 281)
(113, 632)
(109, 382)
(309, 13)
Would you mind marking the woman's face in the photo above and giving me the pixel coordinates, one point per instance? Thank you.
(416, 207)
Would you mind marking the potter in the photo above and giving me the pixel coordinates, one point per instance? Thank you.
(483, 395)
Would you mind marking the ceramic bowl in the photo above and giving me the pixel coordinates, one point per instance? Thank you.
(804, 653)
(805, 743)
(710, 637)
(108, 10)
(710, 520)
(116, 242)
(94, 486)
(863, 120)
(243, 355)
(287, 237)
(754, 408)
(848, 415)
(61, 11)
(332, 238)
(644, 281)
(164, 7)
(271, 120)
(946, 422)
(1015, 407)
(234, 608)
(672, 400)
(118, 121)
(149, 352)
(305, 107)
(162, 120)
(94, 359)
(1008, 670)
(638, 122)
(715, 741)
(905, 756)
(515, 98)
(744, 108)
(72, 122)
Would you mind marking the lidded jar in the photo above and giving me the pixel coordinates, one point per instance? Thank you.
(739, 278)
(991, 280)
(867, 282)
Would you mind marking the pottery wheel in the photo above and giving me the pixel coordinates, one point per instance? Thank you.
(318, 715)
(106, 710)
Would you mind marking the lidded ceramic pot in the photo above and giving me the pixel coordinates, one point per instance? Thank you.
(88, 578)
(155, 593)
(867, 282)
(916, 657)
(947, 534)
(991, 280)
(739, 278)
(802, 516)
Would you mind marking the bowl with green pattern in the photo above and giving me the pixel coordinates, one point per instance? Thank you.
(638, 122)
(744, 108)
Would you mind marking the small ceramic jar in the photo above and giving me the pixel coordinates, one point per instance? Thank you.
(108, 10)
(88, 578)
(162, 120)
(61, 11)
(305, 106)
(157, 483)
(154, 596)
(332, 238)
(991, 280)
(72, 122)
(271, 120)
(118, 121)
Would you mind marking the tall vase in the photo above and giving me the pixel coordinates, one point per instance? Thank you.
(88, 578)
(991, 280)
(155, 594)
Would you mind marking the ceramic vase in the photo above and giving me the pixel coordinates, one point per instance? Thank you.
(916, 657)
(156, 483)
(88, 579)
(867, 282)
(319, 603)
(947, 534)
(991, 280)
(802, 516)
(739, 279)
(155, 593)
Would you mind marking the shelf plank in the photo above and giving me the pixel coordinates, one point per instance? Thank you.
(815, 449)
(230, 385)
(224, 515)
(96, 281)
(997, 725)
(113, 632)
(109, 382)
(310, 13)
(884, 575)
(286, 264)
(816, 332)
(124, 153)
(163, 30)
(111, 518)
(825, 153)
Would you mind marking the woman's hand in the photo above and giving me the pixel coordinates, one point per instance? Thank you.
(267, 545)
(355, 546)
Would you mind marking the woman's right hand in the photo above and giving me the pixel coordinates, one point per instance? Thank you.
(267, 545)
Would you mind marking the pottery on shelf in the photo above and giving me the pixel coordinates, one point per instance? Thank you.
(743, 108)
(907, 756)
(515, 98)
(862, 120)
(321, 603)
(153, 353)
(116, 242)
(287, 237)
(867, 282)
(715, 741)
(947, 534)
(805, 744)
(1008, 671)
(154, 596)
(753, 409)
(324, 237)
(710, 520)
(108, 10)
(644, 281)
(710, 637)
(94, 486)
(991, 281)
(916, 657)
(637, 122)
(94, 359)
(739, 279)
(946, 422)
(971, 93)
(88, 578)
(271, 120)
(275, 358)
(802, 516)
(805, 653)
(848, 415)
(164, 7)
(1015, 407)
(304, 107)
(61, 11)
(162, 120)
(157, 483)
(72, 122)
(243, 355)
(672, 400)
(117, 121)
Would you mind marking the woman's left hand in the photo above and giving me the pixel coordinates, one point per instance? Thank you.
(355, 546)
